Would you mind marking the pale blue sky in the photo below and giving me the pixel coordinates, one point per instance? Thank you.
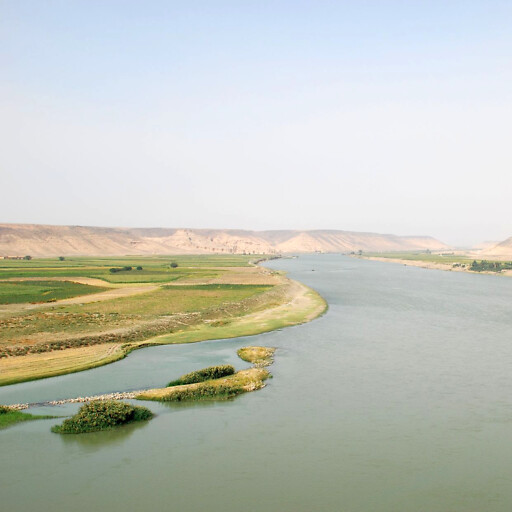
(386, 116)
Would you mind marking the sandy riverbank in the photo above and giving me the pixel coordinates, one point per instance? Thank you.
(431, 265)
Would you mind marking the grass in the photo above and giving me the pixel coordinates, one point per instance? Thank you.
(10, 417)
(259, 356)
(212, 372)
(155, 269)
(61, 362)
(132, 318)
(102, 415)
(19, 292)
(217, 382)
(223, 388)
(55, 339)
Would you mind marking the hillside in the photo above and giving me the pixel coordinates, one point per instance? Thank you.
(502, 250)
(48, 241)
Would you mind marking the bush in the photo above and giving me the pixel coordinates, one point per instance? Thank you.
(127, 268)
(174, 265)
(205, 392)
(102, 415)
(4, 409)
(28, 257)
(139, 268)
(212, 372)
(61, 258)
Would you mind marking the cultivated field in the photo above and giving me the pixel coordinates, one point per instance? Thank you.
(65, 316)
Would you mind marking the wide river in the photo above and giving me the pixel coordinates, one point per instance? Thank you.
(398, 399)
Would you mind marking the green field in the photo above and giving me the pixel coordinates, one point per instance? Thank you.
(19, 292)
(221, 296)
(155, 308)
(155, 269)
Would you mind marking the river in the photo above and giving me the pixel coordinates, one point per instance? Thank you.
(398, 399)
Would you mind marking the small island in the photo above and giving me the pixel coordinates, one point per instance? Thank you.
(217, 382)
(102, 415)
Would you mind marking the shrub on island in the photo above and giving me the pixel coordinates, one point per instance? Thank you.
(102, 415)
(4, 409)
(210, 373)
(216, 389)
(205, 391)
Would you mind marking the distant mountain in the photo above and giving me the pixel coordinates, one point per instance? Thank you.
(502, 250)
(44, 240)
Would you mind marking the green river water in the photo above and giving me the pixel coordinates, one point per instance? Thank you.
(398, 399)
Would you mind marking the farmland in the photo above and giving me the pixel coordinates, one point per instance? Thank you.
(102, 314)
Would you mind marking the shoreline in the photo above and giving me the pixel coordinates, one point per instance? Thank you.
(299, 304)
(431, 265)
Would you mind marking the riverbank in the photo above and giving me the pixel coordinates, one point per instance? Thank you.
(286, 303)
(10, 416)
(433, 265)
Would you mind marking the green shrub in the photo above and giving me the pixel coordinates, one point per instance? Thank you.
(4, 409)
(205, 392)
(212, 372)
(102, 415)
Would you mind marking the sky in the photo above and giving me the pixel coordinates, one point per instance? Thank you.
(381, 116)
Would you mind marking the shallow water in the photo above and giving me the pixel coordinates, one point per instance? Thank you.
(398, 399)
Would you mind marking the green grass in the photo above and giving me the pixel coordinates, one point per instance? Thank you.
(102, 415)
(155, 269)
(19, 292)
(10, 417)
(139, 317)
(212, 372)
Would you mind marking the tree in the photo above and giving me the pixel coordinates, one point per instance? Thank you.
(28, 257)
(61, 258)
(139, 268)
(174, 264)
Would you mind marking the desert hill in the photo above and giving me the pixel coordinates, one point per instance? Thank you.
(502, 250)
(48, 241)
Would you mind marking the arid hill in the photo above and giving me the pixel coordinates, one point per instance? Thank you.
(43, 240)
(503, 250)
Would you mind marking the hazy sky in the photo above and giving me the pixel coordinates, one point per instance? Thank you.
(384, 116)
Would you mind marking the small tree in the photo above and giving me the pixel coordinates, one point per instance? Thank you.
(139, 268)
(61, 258)
(28, 257)
(174, 264)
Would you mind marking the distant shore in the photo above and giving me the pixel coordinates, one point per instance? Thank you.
(431, 265)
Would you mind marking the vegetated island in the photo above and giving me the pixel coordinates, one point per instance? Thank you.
(102, 415)
(217, 382)
(451, 261)
(145, 301)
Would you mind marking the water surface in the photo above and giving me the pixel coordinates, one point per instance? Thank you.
(398, 399)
